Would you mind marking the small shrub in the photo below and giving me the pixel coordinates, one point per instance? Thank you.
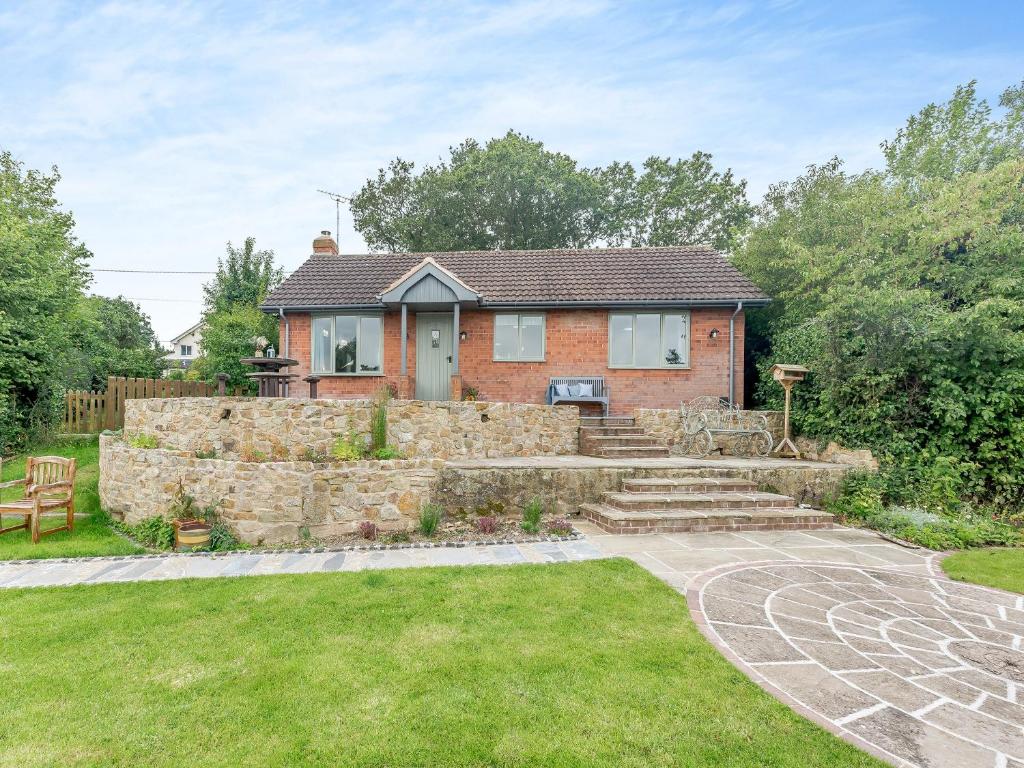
(251, 455)
(387, 453)
(142, 440)
(348, 448)
(221, 538)
(315, 455)
(531, 516)
(379, 419)
(398, 537)
(368, 530)
(487, 524)
(204, 453)
(154, 532)
(279, 453)
(560, 527)
(470, 393)
(430, 518)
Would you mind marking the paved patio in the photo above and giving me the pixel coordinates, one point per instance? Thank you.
(97, 570)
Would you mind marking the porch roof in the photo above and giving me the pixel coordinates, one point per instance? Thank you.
(670, 276)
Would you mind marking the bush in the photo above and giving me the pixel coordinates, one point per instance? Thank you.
(142, 441)
(206, 453)
(379, 420)
(387, 453)
(531, 516)
(315, 455)
(368, 530)
(430, 518)
(487, 524)
(221, 538)
(560, 527)
(251, 455)
(154, 532)
(349, 448)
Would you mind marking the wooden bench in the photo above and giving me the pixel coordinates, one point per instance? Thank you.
(704, 418)
(571, 384)
(49, 486)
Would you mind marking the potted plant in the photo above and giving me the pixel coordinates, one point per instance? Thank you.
(192, 524)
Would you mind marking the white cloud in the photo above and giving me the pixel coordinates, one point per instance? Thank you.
(178, 126)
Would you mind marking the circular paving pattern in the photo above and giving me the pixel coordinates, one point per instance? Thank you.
(921, 671)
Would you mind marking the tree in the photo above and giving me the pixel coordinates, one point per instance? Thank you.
(244, 277)
(232, 318)
(110, 337)
(509, 193)
(903, 292)
(42, 275)
(672, 203)
(227, 338)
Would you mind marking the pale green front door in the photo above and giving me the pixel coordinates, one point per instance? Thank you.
(433, 356)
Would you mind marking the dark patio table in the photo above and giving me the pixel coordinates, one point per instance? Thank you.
(270, 378)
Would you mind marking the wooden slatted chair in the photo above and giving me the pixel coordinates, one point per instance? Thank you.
(49, 485)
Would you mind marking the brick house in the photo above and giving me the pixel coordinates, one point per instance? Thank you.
(656, 323)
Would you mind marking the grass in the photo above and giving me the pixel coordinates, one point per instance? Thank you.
(585, 664)
(1002, 568)
(92, 534)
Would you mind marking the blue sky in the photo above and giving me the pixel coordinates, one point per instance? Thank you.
(179, 126)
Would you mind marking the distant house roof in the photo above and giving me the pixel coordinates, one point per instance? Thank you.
(683, 275)
(185, 333)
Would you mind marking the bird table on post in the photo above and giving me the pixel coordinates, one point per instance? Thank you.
(787, 376)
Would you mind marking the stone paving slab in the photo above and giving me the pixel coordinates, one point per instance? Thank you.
(46, 573)
(915, 668)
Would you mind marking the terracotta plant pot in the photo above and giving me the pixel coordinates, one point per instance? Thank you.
(190, 535)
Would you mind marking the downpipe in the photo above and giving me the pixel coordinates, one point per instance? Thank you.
(732, 353)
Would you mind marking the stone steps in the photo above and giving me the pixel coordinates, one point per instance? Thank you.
(696, 484)
(698, 503)
(618, 437)
(666, 502)
(620, 521)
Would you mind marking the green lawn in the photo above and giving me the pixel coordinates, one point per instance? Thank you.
(997, 567)
(92, 534)
(585, 664)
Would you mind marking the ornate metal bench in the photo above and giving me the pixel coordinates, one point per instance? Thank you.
(705, 417)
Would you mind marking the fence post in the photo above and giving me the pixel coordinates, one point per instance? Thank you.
(222, 384)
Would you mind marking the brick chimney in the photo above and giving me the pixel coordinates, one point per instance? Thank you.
(324, 243)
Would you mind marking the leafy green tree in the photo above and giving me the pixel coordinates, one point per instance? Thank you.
(903, 292)
(42, 275)
(509, 193)
(245, 276)
(227, 338)
(671, 203)
(110, 337)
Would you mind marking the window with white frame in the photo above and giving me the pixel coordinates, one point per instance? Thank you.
(649, 340)
(186, 350)
(348, 344)
(519, 337)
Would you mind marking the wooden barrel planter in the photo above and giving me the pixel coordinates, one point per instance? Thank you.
(191, 534)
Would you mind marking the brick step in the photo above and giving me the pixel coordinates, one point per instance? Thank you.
(701, 521)
(625, 429)
(688, 484)
(619, 452)
(607, 421)
(698, 501)
(621, 441)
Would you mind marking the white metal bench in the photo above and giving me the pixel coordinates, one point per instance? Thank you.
(704, 418)
(572, 384)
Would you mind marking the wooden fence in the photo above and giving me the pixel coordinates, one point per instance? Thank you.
(96, 411)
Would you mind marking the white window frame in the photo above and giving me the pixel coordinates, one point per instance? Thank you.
(685, 313)
(185, 350)
(519, 345)
(333, 318)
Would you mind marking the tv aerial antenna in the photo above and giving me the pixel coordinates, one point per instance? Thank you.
(338, 200)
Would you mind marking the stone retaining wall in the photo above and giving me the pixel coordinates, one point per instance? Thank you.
(266, 502)
(467, 488)
(284, 428)
(667, 425)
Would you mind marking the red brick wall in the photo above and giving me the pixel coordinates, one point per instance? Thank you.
(577, 345)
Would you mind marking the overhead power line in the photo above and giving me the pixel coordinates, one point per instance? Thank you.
(158, 271)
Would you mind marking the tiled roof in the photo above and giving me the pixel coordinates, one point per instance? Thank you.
(682, 274)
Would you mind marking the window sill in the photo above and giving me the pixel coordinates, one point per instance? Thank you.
(365, 375)
(530, 360)
(649, 367)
